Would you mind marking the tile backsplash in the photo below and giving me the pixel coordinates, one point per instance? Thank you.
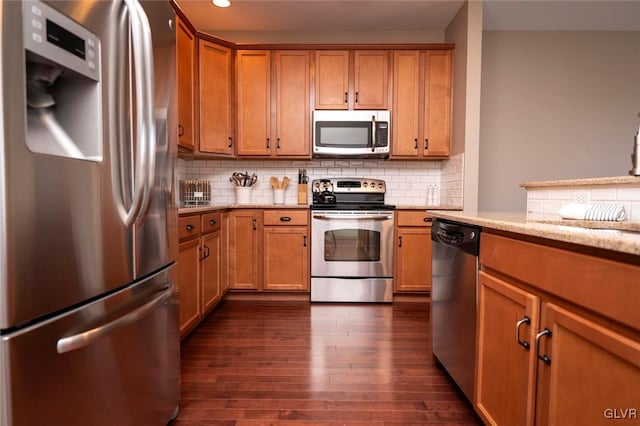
(409, 183)
(545, 203)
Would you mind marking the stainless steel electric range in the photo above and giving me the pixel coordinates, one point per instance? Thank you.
(351, 241)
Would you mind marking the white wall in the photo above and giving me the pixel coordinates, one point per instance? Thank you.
(465, 30)
(555, 105)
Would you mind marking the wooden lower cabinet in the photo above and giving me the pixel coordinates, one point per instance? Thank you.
(210, 270)
(189, 290)
(199, 266)
(506, 369)
(593, 374)
(245, 249)
(548, 360)
(286, 258)
(413, 252)
(268, 250)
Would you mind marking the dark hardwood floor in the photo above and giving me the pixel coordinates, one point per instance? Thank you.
(295, 363)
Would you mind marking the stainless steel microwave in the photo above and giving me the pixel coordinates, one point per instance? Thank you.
(351, 134)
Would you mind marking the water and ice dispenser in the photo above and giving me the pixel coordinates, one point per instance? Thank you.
(64, 105)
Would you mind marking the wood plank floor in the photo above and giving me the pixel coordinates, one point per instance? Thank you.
(295, 363)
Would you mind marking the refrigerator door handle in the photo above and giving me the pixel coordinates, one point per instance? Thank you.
(80, 340)
(147, 117)
(140, 177)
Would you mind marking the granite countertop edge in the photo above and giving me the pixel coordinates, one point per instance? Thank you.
(202, 209)
(598, 181)
(608, 239)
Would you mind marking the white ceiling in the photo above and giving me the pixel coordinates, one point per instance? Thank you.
(409, 15)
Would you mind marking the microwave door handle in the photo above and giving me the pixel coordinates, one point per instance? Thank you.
(373, 133)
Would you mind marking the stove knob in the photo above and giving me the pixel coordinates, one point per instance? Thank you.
(364, 184)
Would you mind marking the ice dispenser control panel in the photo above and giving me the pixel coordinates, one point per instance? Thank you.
(58, 38)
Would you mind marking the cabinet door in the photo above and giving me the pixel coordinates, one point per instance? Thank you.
(253, 97)
(210, 277)
(413, 259)
(244, 250)
(224, 252)
(406, 103)
(292, 103)
(286, 258)
(185, 55)
(592, 371)
(215, 99)
(332, 79)
(188, 285)
(371, 79)
(505, 380)
(437, 104)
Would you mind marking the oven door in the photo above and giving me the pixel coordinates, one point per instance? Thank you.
(352, 244)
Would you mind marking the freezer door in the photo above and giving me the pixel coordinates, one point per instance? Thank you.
(112, 362)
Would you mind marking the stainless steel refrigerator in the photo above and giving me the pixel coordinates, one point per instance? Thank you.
(88, 234)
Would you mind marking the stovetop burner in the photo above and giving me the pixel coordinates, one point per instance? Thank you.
(349, 194)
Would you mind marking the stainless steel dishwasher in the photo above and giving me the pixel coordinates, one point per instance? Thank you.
(454, 297)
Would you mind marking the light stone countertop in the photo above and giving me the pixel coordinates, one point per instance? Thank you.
(608, 239)
(601, 181)
(202, 209)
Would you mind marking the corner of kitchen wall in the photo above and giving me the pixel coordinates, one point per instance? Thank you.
(451, 179)
(408, 182)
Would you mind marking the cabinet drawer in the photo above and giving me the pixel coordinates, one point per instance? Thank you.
(210, 222)
(188, 227)
(413, 218)
(286, 217)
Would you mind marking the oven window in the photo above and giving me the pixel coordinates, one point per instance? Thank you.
(352, 245)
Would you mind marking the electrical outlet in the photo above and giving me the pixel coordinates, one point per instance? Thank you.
(581, 197)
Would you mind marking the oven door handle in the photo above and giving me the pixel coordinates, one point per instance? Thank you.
(356, 217)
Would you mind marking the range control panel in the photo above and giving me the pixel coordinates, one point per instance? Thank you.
(349, 185)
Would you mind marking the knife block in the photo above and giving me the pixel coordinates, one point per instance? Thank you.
(302, 193)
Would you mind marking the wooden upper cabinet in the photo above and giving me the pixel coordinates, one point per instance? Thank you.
(437, 104)
(371, 79)
(405, 121)
(253, 97)
(185, 62)
(421, 121)
(292, 91)
(332, 79)
(215, 98)
(352, 79)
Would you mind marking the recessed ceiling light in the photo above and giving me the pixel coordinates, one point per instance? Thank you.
(222, 3)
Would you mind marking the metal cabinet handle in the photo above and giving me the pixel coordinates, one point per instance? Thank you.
(304, 241)
(426, 143)
(278, 143)
(285, 219)
(255, 225)
(180, 130)
(230, 142)
(427, 219)
(189, 227)
(80, 340)
(524, 344)
(400, 241)
(268, 143)
(212, 222)
(416, 145)
(356, 97)
(346, 97)
(543, 358)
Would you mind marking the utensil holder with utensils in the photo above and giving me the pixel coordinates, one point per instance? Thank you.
(279, 188)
